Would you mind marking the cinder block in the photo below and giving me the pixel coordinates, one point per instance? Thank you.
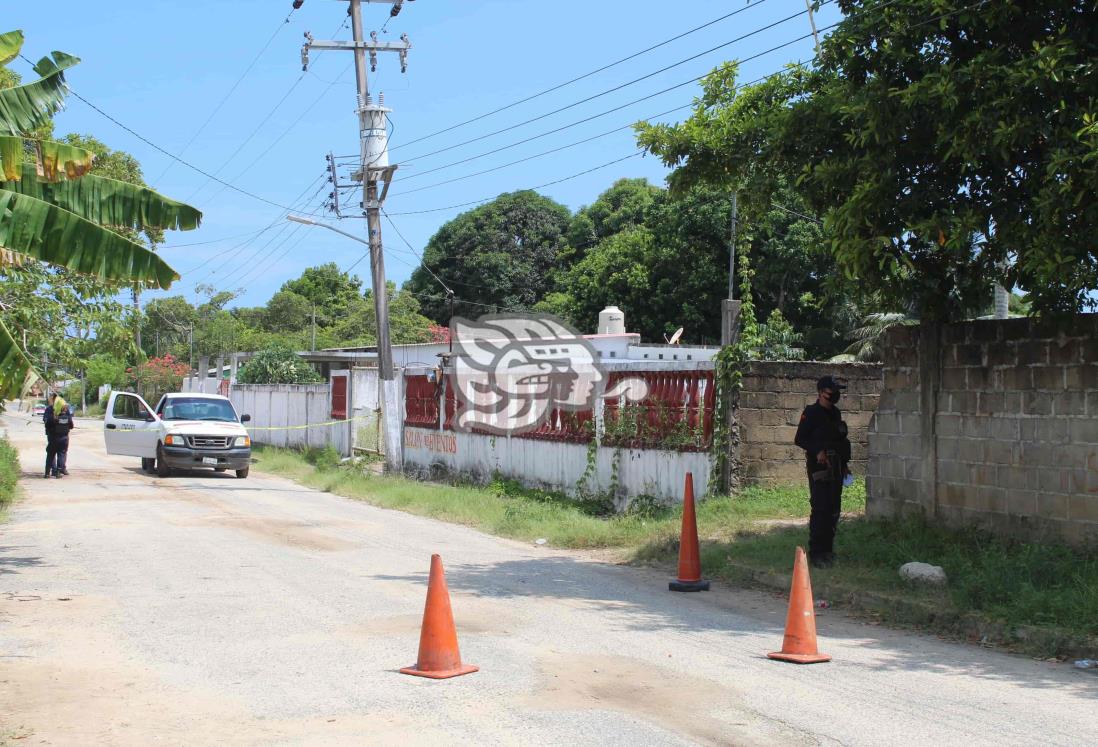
(1049, 378)
(990, 403)
(953, 471)
(979, 377)
(977, 427)
(1037, 403)
(1067, 350)
(1017, 378)
(985, 331)
(1032, 353)
(999, 452)
(971, 450)
(1052, 505)
(954, 379)
(1084, 430)
(1021, 502)
(1019, 477)
(1069, 404)
(1053, 430)
(1054, 480)
(993, 499)
(1004, 428)
(1081, 377)
(962, 402)
(1002, 354)
(948, 425)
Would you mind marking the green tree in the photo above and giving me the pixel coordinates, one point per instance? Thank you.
(406, 324)
(278, 366)
(329, 288)
(501, 254)
(622, 206)
(945, 145)
(668, 267)
(288, 311)
(52, 210)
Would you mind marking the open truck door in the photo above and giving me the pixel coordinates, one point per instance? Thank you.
(129, 427)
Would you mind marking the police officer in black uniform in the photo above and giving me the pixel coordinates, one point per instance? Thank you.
(823, 436)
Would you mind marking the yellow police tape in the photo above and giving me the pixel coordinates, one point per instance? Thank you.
(310, 425)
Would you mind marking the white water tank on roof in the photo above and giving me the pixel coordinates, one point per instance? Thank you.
(611, 321)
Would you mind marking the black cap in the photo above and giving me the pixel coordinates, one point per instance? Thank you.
(829, 382)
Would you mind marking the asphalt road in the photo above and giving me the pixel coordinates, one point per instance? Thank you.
(208, 610)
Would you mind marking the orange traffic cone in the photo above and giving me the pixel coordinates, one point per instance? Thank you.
(439, 657)
(799, 645)
(690, 578)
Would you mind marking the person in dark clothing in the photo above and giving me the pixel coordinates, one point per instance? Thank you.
(823, 436)
(58, 421)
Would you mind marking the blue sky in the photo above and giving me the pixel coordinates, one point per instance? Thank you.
(161, 68)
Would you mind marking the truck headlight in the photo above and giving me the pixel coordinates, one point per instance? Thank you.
(242, 441)
(171, 440)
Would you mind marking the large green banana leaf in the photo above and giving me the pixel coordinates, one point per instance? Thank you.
(52, 234)
(55, 161)
(16, 372)
(10, 44)
(24, 108)
(108, 202)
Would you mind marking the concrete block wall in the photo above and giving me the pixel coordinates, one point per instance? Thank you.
(1015, 429)
(773, 396)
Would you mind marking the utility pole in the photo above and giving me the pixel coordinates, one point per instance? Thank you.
(730, 308)
(375, 168)
(730, 333)
(313, 344)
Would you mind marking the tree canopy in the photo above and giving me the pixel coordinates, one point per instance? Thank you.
(500, 254)
(944, 145)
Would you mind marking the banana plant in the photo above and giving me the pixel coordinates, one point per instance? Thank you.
(52, 210)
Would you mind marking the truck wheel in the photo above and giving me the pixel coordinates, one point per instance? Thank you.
(242, 473)
(147, 464)
(162, 468)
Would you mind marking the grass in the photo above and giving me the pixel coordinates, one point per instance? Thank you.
(1002, 581)
(1014, 583)
(9, 473)
(506, 509)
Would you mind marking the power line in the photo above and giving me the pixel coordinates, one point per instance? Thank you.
(250, 137)
(211, 241)
(174, 157)
(621, 86)
(539, 186)
(599, 115)
(252, 260)
(584, 76)
(229, 93)
(240, 247)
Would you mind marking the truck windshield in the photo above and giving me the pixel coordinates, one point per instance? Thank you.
(196, 408)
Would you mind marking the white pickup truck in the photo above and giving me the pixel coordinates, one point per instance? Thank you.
(185, 431)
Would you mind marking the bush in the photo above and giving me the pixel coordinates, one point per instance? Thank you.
(9, 472)
(323, 459)
(278, 366)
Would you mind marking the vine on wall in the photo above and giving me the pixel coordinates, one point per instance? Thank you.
(728, 378)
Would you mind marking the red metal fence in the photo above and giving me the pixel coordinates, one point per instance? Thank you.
(676, 414)
(420, 402)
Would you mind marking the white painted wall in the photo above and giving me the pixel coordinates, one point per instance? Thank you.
(554, 465)
(289, 415)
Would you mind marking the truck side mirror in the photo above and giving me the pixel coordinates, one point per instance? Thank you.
(245, 418)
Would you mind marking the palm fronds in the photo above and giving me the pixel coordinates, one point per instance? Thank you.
(108, 202)
(52, 234)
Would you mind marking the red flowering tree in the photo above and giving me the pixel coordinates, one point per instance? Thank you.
(439, 333)
(156, 376)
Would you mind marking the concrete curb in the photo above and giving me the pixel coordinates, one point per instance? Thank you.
(1047, 641)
